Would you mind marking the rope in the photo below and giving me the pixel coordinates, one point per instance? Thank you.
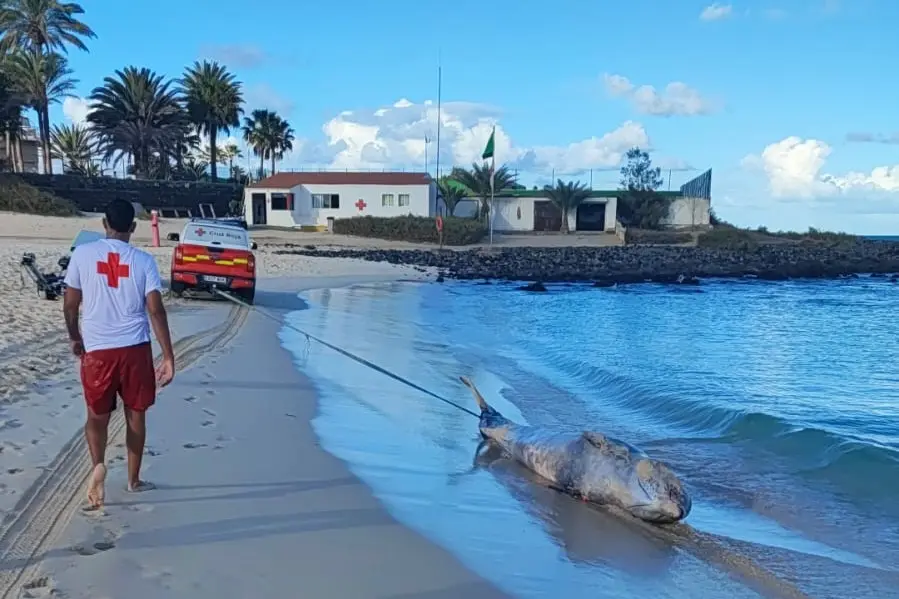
(344, 352)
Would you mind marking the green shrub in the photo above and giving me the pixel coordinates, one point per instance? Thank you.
(652, 237)
(18, 196)
(729, 238)
(419, 229)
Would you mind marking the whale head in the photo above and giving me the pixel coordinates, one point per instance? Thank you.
(659, 494)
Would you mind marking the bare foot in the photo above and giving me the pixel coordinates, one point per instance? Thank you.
(140, 486)
(96, 487)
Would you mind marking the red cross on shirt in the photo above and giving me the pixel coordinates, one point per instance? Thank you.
(113, 270)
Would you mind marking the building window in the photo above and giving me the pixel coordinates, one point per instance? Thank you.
(387, 200)
(325, 200)
(403, 200)
(282, 201)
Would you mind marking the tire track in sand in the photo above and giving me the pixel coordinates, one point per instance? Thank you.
(46, 509)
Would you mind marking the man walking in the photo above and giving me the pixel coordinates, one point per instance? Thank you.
(118, 286)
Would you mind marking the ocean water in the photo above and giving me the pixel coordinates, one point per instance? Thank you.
(776, 402)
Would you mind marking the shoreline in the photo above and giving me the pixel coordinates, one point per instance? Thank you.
(607, 266)
(294, 521)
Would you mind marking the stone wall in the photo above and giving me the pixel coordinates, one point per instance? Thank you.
(92, 194)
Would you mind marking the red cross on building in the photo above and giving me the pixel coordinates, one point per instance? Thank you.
(113, 270)
(361, 204)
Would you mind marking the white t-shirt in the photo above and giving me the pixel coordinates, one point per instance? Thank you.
(114, 278)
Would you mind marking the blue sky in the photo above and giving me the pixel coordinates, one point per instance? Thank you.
(767, 94)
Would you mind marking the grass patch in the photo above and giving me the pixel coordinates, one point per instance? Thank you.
(18, 196)
(655, 237)
(417, 229)
(729, 237)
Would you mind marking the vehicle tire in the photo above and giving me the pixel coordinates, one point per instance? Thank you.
(247, 295)
(178, 288)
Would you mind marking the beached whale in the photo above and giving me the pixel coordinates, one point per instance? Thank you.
(590, 466)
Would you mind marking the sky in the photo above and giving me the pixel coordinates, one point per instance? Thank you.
(793, 104)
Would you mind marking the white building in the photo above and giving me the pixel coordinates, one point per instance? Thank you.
(523, 210)
(312, 200)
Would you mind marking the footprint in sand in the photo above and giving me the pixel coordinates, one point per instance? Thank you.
(209, 412)
(194, 445)
(94, 548)
(190, 399)
(210, 392)
(150, 452)
(38, 587)
(139, 507)
(14, 471)
(206, 423)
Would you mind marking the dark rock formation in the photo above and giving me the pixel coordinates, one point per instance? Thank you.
(607, 266)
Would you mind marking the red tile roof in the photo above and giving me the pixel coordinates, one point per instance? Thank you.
(292, 179)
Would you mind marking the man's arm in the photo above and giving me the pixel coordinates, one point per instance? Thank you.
(160, 322)
(70, 307)
(72, 303)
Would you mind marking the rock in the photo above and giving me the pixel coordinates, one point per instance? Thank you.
(607, 266)
(535, 287)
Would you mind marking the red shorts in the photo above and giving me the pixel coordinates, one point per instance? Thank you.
(124, 371)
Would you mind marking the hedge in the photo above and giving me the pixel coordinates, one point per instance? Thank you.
(419, 229)
(18, 196)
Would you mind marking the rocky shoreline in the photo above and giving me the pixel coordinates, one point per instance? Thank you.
(605, 266)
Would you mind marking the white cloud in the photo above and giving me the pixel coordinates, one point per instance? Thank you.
(266, 97)
(245, 56)
(677, 99)
(716, 12)
(75, 110)
(394, 137)
(794, 169)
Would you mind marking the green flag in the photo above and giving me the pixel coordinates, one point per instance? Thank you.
(488, 150)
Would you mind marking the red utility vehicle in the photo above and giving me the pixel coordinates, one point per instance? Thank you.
(213, 253)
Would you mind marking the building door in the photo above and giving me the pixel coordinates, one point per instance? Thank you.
(591, 216)
(547, 216)
(259, 212)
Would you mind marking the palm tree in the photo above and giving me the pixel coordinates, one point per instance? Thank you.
(74, 146)
(269, 135)
(42, 26)
(478, 181)
(230, 153)
(44, 79)
(213, 100)
(567, 197)
(137, 112)
(282, 142)
(12, 123)
(452, 193)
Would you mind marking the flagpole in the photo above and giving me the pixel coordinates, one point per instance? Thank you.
(492, 188)
(439, 90)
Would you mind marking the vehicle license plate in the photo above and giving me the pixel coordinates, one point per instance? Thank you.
(213, 279)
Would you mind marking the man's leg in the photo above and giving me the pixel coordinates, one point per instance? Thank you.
(135, 437)
(99, 380)
(138, 394)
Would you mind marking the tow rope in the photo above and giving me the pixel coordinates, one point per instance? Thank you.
(350, 355)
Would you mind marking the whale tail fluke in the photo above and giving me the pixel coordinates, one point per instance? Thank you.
(482, 403)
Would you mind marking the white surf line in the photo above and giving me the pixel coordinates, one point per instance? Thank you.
(49, 504)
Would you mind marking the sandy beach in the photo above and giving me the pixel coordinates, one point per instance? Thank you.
(247, 504)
